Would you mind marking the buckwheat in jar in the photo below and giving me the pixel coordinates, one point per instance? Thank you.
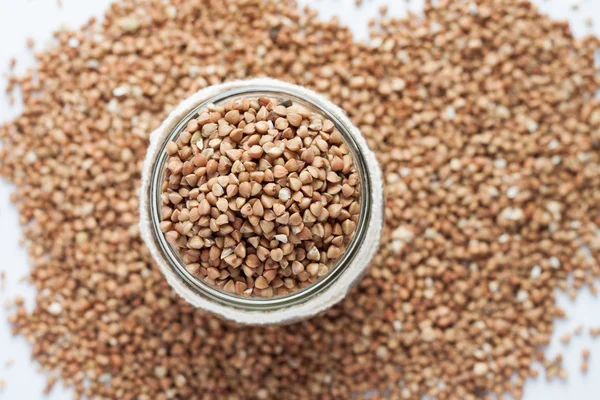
(260, 202)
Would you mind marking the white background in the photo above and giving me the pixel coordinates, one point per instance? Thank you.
(37, 19)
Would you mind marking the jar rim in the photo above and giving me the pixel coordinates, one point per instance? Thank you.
(365, 163)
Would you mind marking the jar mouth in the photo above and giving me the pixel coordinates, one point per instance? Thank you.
(257, 303)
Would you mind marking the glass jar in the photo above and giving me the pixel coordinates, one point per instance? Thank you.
(294, 306)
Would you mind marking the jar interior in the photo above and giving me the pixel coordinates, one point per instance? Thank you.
(216, 294)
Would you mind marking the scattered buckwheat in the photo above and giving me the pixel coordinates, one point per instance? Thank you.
(583, 367)
(585, 354)
(554, 368)
(260, 197)
(459, 105)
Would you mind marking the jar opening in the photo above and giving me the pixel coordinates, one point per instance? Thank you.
(256, 303)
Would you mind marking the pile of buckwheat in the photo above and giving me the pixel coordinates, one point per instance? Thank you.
(483, 117)
(260, 197)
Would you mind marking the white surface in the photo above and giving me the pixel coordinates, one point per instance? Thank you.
(37, 19)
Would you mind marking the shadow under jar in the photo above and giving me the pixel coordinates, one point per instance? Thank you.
(257, 247)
